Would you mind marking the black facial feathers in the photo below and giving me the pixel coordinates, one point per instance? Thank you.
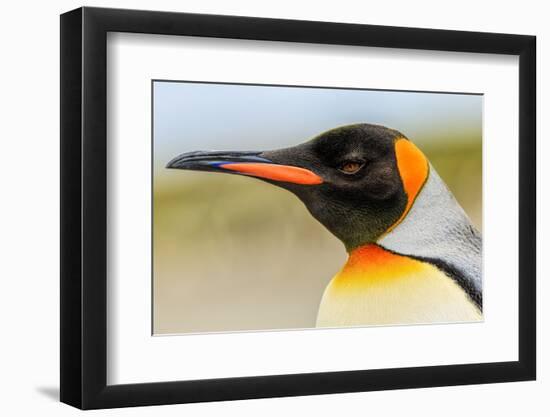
(356, 207)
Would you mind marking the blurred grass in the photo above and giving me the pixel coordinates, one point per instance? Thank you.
(233, 253)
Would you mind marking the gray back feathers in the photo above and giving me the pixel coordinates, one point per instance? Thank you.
(437, 230)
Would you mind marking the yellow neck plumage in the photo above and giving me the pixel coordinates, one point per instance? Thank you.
(378, 287)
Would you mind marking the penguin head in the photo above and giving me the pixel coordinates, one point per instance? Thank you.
(359, 181)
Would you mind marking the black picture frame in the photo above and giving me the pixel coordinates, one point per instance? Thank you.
(84, 207)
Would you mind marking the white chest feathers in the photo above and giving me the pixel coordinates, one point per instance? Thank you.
(378, 287)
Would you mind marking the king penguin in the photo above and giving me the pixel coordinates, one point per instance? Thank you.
(414, 255)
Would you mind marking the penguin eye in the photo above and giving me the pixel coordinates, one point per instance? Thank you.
(351, 167)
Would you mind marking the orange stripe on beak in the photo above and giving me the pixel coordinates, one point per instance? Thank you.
(283, 173)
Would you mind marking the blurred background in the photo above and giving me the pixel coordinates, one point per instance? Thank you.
(232, 253)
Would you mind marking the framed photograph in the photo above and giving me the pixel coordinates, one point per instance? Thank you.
(257, 208)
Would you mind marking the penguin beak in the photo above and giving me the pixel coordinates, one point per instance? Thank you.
(251, 164)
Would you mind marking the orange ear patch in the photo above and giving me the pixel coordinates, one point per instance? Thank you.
(413, 168)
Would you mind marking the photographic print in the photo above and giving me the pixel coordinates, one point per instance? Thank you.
(290, 207)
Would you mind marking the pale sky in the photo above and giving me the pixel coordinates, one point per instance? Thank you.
(199, 116)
